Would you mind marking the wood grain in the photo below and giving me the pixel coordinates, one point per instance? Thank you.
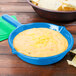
(11, 65)
(15, 4)
(12, 8)
(72, 29)
(6, 1)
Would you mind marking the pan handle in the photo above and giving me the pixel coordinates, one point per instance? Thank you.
(10, 20)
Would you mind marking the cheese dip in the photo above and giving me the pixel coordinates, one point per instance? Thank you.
(40, 42)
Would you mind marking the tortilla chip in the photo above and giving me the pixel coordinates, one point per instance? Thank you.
(73, 62)
(73, 51)
(50, 4)
(35, 2)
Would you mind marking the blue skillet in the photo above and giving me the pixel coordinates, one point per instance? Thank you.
(38, 60)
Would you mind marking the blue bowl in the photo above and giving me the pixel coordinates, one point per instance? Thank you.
(42, 60)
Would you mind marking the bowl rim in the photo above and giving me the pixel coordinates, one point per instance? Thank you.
(54, 11)
(66, 51)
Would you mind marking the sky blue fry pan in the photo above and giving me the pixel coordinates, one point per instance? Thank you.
(38, 60)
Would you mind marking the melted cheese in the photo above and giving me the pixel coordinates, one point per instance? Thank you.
(40, 42)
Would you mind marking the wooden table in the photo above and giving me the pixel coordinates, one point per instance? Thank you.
(11, 65)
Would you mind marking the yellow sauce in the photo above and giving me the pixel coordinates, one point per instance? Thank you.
(40, 42)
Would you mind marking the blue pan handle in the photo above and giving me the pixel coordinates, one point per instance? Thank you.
(10, 20)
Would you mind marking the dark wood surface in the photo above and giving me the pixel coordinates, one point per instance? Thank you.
(11, 65)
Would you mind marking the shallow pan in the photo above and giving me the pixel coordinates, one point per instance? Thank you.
(38, 60)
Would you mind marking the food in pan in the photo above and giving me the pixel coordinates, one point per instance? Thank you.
(40, 42)
(60, 5)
